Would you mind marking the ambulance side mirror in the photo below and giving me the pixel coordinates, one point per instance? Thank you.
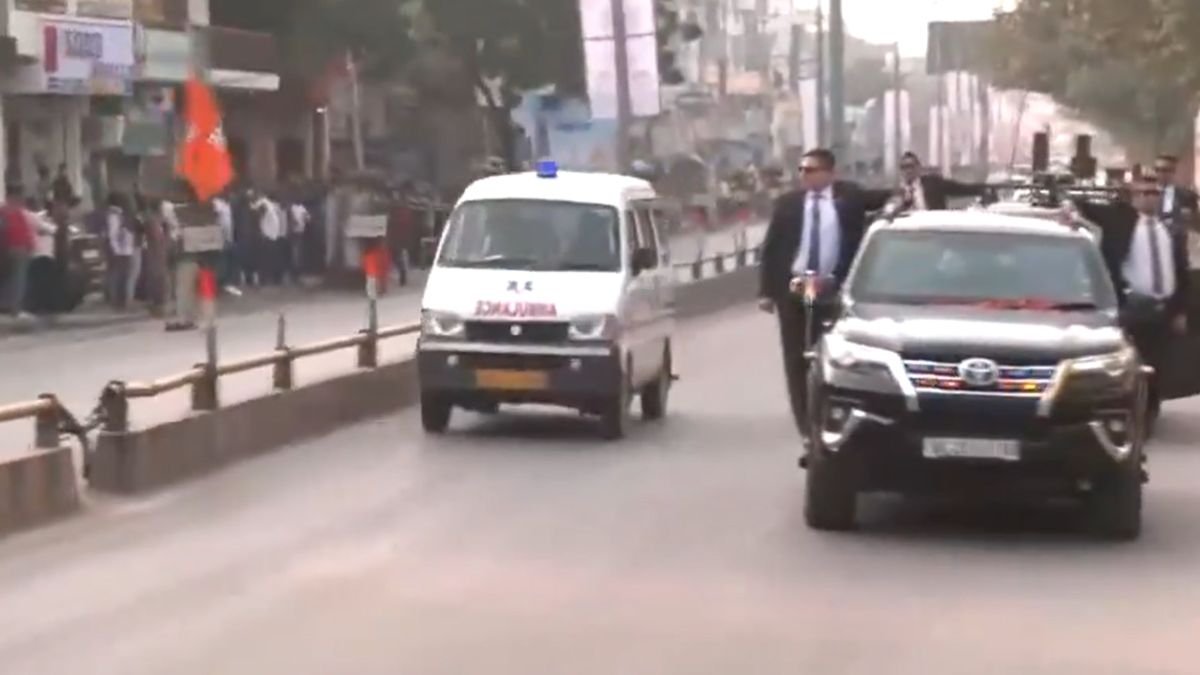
(643, 259)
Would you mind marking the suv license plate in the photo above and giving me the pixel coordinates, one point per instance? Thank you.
(972, 448)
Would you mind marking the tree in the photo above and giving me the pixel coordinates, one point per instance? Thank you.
(1126, 66)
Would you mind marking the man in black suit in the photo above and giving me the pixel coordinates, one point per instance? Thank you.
(1179, 204)
(1148, 262)
(920, 191)
(817, 228)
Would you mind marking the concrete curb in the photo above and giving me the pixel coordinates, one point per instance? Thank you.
(142, 461)
(36, 489)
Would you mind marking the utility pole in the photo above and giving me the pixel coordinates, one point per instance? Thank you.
(897, 108)
(794, 58)
(837, 75)
(624, 105)
(822, 136)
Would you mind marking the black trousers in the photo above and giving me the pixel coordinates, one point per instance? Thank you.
(793, 315)
(1153, 341)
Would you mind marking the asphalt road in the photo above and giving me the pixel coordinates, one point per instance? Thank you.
(522, 544)
(76, 365)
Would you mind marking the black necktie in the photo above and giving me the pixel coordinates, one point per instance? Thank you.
(1156, 263)
(814, 237)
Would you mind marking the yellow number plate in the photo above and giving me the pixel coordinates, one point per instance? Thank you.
(511, 380)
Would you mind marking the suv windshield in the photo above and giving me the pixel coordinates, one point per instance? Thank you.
(1007, 270)
(533, 235)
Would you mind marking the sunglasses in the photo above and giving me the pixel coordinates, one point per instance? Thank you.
(907, 167)
(1147, 193)
(812, 169)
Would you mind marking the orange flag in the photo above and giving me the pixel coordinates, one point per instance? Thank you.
(204, 158)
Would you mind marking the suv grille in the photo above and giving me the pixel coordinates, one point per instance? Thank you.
(517, 332)
(987, 378)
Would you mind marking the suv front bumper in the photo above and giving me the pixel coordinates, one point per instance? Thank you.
(882, 441)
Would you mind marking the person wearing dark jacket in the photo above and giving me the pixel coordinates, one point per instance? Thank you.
(1148, 262)
(1180, 204)
(816, 229)
(930, 192)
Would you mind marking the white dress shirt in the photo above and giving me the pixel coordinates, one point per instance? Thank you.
(1168, 200)
(224, 218)
(831, 234)
(1139, 266)
(120, 238)
(300, 219)
(271, 219)
(918, 195)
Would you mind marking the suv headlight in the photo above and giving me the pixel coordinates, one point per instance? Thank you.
(841, 354)
(1115, 365)
(595, 327)
(442, 324)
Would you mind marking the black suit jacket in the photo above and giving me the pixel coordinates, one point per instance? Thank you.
(1184, 211)
(787, 226)
(939, 189)
(1117, 223)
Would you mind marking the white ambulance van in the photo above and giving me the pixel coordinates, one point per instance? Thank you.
(552, 288)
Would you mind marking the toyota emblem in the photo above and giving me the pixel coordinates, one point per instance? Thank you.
(515, 331)
(979, 372)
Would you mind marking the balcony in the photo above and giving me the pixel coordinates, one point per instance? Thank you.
(241, 50)
(242, 59)
(172, 14)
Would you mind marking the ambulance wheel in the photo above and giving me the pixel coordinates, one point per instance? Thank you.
(614, 414)
(435, 414)
(655, 394)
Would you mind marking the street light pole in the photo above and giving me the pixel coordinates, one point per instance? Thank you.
(837, 75)
(897, 108)
(822, 136)
(624, 106)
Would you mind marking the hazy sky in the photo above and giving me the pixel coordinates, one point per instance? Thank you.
(886, 21)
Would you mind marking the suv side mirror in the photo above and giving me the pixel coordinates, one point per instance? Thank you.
(644, 259)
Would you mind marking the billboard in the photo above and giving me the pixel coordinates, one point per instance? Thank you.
(600, 57)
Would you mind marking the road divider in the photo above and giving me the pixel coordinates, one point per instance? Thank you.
(42, 484)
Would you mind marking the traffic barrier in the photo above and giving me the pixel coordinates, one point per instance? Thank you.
(40, 485)
(129, 461)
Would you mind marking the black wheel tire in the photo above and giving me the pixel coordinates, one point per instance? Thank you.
(435, 414)
(614, 417)
(655, 395)
(1115, 503)
(830, 500)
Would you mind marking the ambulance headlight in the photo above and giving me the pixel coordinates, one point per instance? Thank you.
(595, 327)
(442, 324)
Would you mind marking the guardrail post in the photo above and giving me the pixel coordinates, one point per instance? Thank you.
(719, 261)
(368, 349)
(46, 425)
(741, 258)
(697, 270)
(282, 371)
(115, 407)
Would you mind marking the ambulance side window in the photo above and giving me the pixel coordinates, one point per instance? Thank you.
(646, 238)
(631, 235)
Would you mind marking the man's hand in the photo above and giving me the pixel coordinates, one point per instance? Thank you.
(1068, 215)
(1179, 325)
(766, 305)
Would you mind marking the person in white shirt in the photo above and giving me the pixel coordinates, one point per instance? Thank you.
(228, 270)
(1148, 261)
(298, 222)
(122, 246)
(272, 223)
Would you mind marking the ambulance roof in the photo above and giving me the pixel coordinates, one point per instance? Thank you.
(567, 186)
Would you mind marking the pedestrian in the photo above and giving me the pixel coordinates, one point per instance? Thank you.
(156, 257)
(122, 245)
(814, 230)
(19, 244)
(228, 268)
(920, 191)
(298, 223)
(272, 225)
(61, 190)
(134, 212)
(1180, 204)
(401, 232)
(1148, 262)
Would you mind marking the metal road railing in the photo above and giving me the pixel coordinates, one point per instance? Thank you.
(52, 421)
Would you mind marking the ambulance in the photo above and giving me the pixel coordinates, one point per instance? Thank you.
(550, 288)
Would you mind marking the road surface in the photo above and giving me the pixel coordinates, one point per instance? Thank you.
(522, 545)
(75, 365)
